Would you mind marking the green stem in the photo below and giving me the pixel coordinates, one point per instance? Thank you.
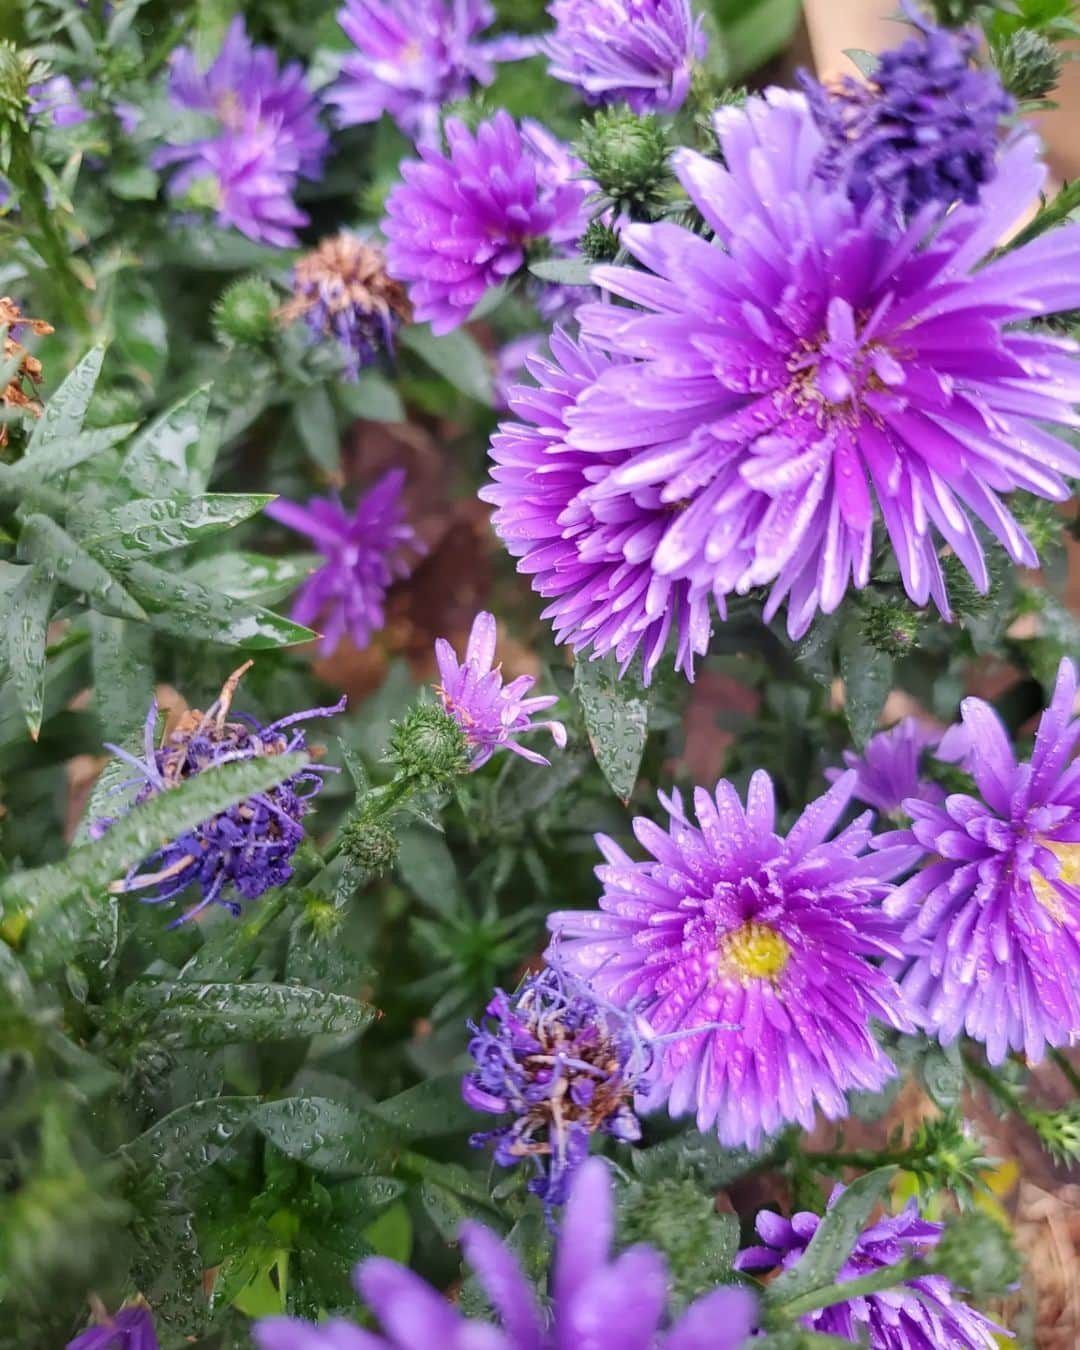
(874, 1283)
(49, 239)
(1067, 1069)
(864, 1158)
(1008, 1095)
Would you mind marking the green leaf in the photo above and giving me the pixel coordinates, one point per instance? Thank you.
(866, 63)
(832, 1244)
(371, 397)
(942, 1072)
(867, 676)
(253, 576)
(326, 1135)
(187, 1014)
(64, 412)
(60, 455)
(59, 557)
(563, 271)
(189, 610)
(151, 525)
(391, 1234)
(429, 1110)
(140, 332)
(315, 423)
(192, 1137)
(26, 622)
(170, 456)
(457, 357)
(616, 718)
(427, 867)
(142, 830)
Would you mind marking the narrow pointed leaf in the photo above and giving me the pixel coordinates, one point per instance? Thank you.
(26, 624)
(168, 456)
(151, 525)
(64, 412)
(326, 1135)
(616, 717)
(457, 357)
(191, 1137)
(189, 1014)
(59, 456)
(48, 545)
(253, 576)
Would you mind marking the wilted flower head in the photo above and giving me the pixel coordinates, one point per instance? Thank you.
(491, 715)
(248, 847)
(640, 52)
(463, 222)
(268, 135)
(810, 368)
(888, 769)
(921, 1314)
(342, 292)
(762, 945)
(412, 58)
(993, 920)
(565, 1066)
(364, 553)
(596, 1301)
(589, 552)
(57, 98)
(18, 393)
(130, 1328)
(924, 130)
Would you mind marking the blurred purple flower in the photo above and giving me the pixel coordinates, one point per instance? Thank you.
(924, 130)
(511, 364)
(130, 1328)
(58, 98)
(461, 224)
(597, 1303)
(364, 553)
(491, 716)
(888, 770)
(248, 847)
(267, 136)
(993, 923)
(763, 946)
(920, 1314)
(411, 59)
(588, 550)
(564, 1066)
(809, 368)
(641, 52)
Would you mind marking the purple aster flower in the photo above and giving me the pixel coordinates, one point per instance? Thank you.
(597, 1303)
(993, 921)
(641, 52)
(920, 1314)
(364, 552)
(511, 364)
(564, 1065)
(588, 550)
(461, 223)
(924, 130)
(762, 945)
(491, 716)
(249, 846)
(268, 135)
(58, 98)
(342, 292)
(888, 770)
(411, 59)
(131, 1328)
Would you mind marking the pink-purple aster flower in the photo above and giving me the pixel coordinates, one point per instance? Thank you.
(993, 920)
(365, 551)
(247, 848)
(925, 129)
(889, 769)
(588, 551)
(412, 58)
(267, 136)
(924, 1313)
(491, 715)
(511, 363)
(462, 223)
(597, 1303)
(58, 98)
(811, 368)
(564, 1066)
(130, 1328)
(754, 952)
(640, 52)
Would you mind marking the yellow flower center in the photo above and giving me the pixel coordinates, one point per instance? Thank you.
(753, 951)
(1068, 855)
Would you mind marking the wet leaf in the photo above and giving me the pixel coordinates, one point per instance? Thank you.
(427, 867)
(170, 455)
(616, 717)
(65, 410)
(253, 576)
(429, 1110)
(191, 1137)
(315, 423)
(457, 357)
(867, 676)
(26, 620)
(563, 271)
(326, 1135)
(372, 397)
(151, 525)
(62, 560)
(59, 456)
(140, 333)
(188, 1014)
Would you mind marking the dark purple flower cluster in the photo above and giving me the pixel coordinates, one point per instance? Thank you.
(267, 137)
(921, 1314)
(342, 292)
(564, 1065)
(924, 130)
(247, 848)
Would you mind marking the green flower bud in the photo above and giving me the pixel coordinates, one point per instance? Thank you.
(976, 1255)
(599, 243)
(892, 627)
(964, 596)
(321, 916)
(245, 312)
(627, 155)
(18, 71)
(370, 844)
(1059, 1132)
(429, 747)
(1028, 64)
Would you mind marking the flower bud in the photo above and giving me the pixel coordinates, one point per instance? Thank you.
(627, 155)
(1028, 64)
(370, 844)
(429, 746)
(244, 312)
(599, 243)
(892, 627)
